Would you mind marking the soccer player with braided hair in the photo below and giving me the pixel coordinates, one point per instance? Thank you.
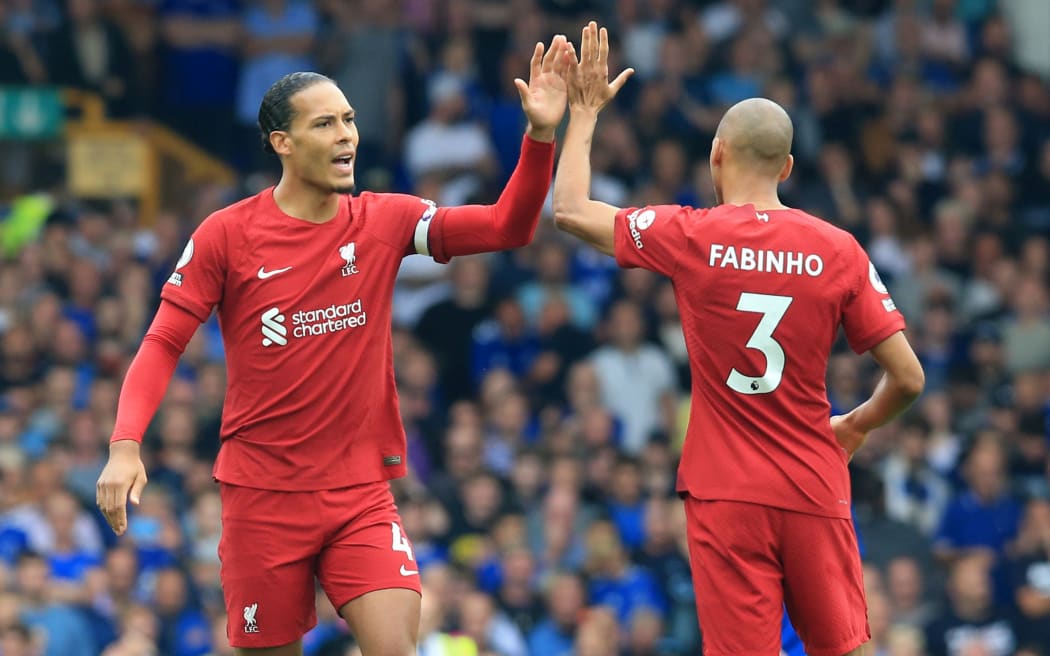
(302, 277)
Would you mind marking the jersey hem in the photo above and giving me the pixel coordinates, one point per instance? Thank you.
(258, 482)
(768, 503)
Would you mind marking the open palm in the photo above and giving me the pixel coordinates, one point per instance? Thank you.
(543, 99)
(589, 87)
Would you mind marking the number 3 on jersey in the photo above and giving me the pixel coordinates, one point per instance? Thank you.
(772, 308)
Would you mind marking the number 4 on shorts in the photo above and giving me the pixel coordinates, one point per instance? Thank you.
(400, 541)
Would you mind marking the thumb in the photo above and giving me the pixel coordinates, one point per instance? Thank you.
(621, 80)
(136, 489)
(522, 87)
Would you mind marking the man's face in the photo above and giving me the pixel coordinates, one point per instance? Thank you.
(322, 139)
(986, 474)
(31, 576)
(566, 600)
(969, 584)
(626, 329)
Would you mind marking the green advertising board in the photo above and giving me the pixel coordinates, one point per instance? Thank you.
(30, 113)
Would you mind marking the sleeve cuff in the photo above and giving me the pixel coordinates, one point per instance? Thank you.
(528, 142)
(121, 435)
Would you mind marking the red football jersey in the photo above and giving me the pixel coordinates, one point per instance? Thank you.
(761, 297)
(305, 316)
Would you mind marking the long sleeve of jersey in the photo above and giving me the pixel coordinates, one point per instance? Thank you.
(509, 223)
(151, 370)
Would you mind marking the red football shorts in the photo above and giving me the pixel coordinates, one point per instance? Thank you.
(274, 543)
(749, 560)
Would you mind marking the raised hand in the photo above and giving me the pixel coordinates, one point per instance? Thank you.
(543, 98)
(588, 78)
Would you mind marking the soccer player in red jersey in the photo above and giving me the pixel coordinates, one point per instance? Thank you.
(302, 276)
(762, 290)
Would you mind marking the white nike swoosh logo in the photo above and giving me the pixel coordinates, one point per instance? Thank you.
(408, 572)
(264, 274)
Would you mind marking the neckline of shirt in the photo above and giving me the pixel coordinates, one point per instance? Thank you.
(343, 212)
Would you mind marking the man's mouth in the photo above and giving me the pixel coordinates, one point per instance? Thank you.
(344, 162)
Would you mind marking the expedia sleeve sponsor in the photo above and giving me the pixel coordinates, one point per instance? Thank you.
(637, 221)
(652, 237)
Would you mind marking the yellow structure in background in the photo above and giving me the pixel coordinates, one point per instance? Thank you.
(140, 159)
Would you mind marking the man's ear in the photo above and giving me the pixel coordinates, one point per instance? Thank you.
(717, 150)
(281, 142)
(789, 165)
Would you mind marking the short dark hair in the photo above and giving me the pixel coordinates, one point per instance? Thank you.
(275, 110)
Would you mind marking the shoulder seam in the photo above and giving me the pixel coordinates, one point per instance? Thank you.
(398, 250)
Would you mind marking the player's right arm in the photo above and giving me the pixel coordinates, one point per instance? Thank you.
(147, 379)
(589, 91)
(194, 288)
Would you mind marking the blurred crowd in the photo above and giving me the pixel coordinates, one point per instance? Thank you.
(544, 391)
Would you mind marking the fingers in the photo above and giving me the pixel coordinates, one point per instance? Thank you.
(111, 498)
(522, 87)
(586, 45)
(549, 60)
(569, 60)
(620, 80)
(536, 65)
(565, 59)
(111, 495)
(137, 487)
(118, 519)
(603, 47)
(571, 67)
(101, 499)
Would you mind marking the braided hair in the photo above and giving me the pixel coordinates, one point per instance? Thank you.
(275, 111)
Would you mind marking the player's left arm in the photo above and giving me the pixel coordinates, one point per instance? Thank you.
(899, 387)
(589, 91)
(512, 221)
(873, 323)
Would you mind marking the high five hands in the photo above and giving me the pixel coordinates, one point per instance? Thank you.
(587, 78)
(555, 73)
(543, 97)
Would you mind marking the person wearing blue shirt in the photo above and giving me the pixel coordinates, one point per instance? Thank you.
(615, 581)
(67, 630)
(985, 515)
(556, 633)
(983, 518)
(503, 342)
(199, 59)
